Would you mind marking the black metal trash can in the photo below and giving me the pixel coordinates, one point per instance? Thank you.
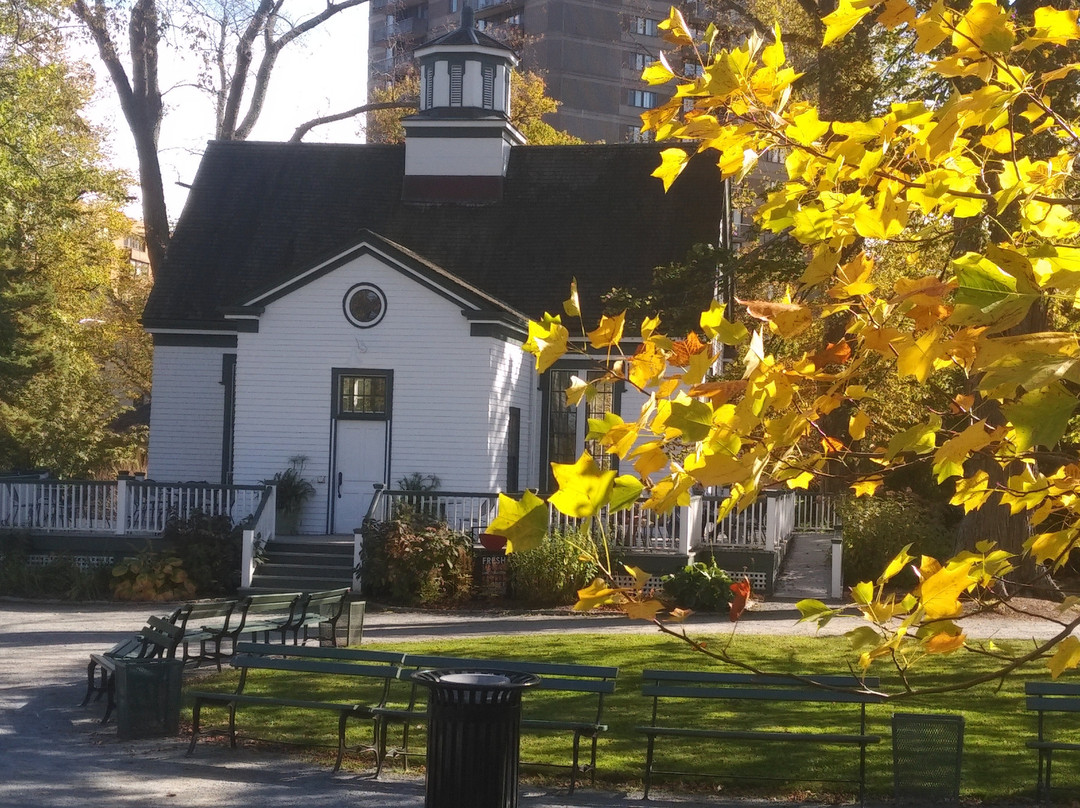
(147, 697)
(474, 734)
(927, 755)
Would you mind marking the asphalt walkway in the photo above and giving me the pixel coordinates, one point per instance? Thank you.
(55, 755)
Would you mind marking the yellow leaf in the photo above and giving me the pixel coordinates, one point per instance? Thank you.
(583, 487)
(1053, 547)
(650, 458)
(939, 594)
(943, 642)
(806, 127)
(842, 20)
(644, 610)
(572, 305)
(895, 13)
(867, 486)
(639, 575)
(578, 388)
(716, 326)
(648, 326)
(596, 594)
(647, 366)
(857, 425)
(672, 163)
(972, 492)
(675, 28)
(657, 73)
(608, 333)
(524, 523)
(950, 456)
(1066, 656)
(1058, 27)
(547, 342)
(900, 560)
(788, 319)
(917, 359)
(773, 55)
(986, 26)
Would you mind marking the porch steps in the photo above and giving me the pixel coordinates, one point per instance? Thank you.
(305, 564)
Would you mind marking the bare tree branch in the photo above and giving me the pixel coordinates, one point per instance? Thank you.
(304, 128)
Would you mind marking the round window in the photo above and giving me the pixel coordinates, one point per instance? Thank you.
(365, 305)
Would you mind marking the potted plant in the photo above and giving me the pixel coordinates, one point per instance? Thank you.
(292, 491)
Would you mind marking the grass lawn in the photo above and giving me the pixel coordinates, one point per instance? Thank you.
(997, 765)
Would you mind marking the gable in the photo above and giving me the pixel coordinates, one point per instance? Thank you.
(261, 214)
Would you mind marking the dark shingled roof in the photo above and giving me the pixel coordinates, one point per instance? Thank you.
(260, 213)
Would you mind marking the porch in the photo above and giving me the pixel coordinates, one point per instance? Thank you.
(95, 521)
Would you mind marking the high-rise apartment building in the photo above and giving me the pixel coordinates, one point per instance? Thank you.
(590, 52)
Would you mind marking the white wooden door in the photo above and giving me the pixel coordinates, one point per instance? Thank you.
(359, 463)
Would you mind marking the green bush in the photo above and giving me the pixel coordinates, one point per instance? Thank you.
(703, 587)
(877, 528)
(552, 573)
(151, 576)
(209, 548)
(60, 578)
(416, 563)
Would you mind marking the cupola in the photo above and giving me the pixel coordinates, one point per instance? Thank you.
(458, 145)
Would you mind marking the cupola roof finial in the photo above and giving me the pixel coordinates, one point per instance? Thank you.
(467, 17)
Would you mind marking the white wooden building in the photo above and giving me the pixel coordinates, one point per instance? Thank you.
(364, 306)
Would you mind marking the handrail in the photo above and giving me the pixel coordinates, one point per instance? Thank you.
(258, 534)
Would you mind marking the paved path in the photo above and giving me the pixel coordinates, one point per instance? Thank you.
(55, 755)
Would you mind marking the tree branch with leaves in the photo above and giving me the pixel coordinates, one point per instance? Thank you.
(996, 160)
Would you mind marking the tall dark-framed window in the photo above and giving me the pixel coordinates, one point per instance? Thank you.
(566, 426)
(228, 428)
(562, 420)
(513, 450)
(363, 395)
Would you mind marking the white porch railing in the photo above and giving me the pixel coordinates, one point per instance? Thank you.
(121, 507)
(767, 524)
(468, 512)
(817, 513)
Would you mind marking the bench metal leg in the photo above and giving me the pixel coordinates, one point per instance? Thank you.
(648, 765)
(341, 734)
(195, 711)
(574, 765)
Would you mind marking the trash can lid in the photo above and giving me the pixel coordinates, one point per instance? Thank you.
(475, 679)
(484, 679)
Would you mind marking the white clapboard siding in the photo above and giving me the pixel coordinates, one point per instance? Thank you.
(187, 414)
(444, 418)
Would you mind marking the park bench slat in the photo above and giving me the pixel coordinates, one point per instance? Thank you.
(669, 687)
(249, 657)
(1047, 699)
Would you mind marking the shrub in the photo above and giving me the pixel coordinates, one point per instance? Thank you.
(60, 577)
(552, 573)
(151, 576)
(703, 587)
(416, 563)
(877, 528)
(209, 549)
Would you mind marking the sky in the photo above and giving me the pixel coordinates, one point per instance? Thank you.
(324, 71)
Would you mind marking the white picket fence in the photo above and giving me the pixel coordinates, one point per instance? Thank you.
(118, 507)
